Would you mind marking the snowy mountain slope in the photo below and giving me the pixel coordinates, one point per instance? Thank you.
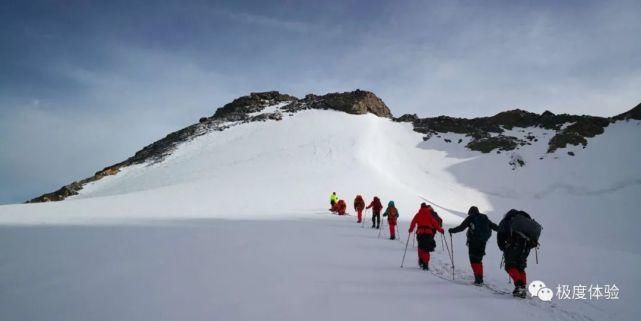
(277, 168)
(233, 223)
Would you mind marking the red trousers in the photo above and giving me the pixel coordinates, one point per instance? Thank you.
(392, 230)
(517, 275)
(424, 256)
(360, 215)
(477, 268)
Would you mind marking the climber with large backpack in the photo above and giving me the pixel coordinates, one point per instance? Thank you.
(479, 229)
(376, 207)
(359, 206)
(341, 207)
(518, 233)
(392, 215)
(425, 226)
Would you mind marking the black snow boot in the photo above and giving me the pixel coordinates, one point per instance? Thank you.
(478, 280)
(392, 238)
(519, 291)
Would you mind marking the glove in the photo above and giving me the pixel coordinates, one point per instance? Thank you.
(449, 230)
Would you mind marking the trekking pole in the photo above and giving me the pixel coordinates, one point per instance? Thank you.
(450, 255)
(405, 252)
(443, 244)
(452, 243)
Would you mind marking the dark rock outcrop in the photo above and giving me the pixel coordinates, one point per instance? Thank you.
(73, 188)
(499, 142)
(59, 195)
(484, 130)
(578, 132)
(357, 102)
(407, 118)
(238, 109)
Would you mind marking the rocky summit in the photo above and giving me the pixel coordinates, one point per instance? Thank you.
(356, 102)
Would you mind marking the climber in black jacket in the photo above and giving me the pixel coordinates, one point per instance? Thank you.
(479, 229)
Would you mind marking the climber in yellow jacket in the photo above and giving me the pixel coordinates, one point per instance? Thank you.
(333, 199)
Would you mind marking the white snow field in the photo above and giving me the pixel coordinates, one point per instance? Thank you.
(234, 226)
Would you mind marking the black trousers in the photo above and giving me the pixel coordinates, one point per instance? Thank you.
(376, 218)
(516, 255)
(476, 251)
(426, 242)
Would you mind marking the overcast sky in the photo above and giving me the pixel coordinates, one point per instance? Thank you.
(84, 84)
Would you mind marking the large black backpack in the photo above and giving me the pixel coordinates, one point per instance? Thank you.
(527, 228)
(479, 229)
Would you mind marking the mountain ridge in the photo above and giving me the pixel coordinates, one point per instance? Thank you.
(487, 132)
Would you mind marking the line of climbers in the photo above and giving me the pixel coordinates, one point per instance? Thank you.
(517, 235)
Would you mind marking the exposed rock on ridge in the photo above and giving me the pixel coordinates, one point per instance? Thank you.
(488, 133)
(356, 102)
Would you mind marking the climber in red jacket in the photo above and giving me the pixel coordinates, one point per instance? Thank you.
(359, 206)
(341, 207)
(392, 216)
(376, 207)
(427, 224)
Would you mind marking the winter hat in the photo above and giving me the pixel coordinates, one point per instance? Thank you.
(473, 210)
(423, 205)
(390, 204)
